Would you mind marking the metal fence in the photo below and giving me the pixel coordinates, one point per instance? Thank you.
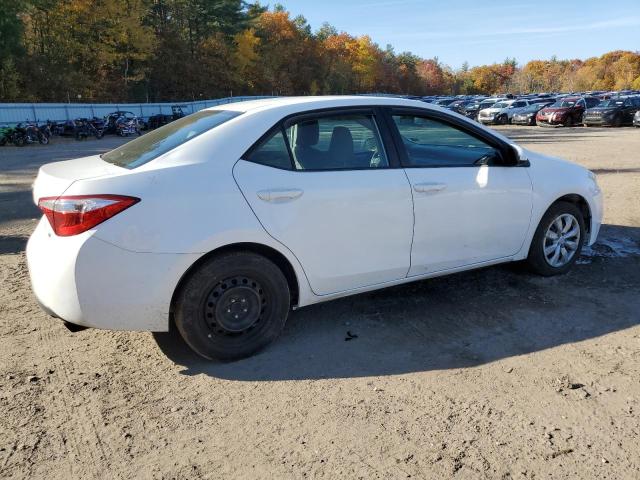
(12, 113)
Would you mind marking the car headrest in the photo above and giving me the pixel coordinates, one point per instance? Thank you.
(308, 133)
(341, 141)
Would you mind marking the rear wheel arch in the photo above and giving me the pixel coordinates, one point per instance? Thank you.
(260, 249)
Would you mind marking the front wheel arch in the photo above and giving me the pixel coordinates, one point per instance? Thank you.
(582, 204)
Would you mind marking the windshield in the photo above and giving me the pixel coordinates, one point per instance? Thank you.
(147, 147)
(611, 103)
(564, 103)
(501, 105)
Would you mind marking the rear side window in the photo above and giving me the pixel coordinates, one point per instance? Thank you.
(158, 142)
(337, 142)
(272, 152)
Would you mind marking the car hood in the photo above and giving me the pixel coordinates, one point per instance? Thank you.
(547, 161)
(555, 110)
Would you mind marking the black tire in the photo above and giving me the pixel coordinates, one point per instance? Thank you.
(617, 122)
(536, 260)
(503, 119)
(568, 122)
(43, 139)
(250, 284)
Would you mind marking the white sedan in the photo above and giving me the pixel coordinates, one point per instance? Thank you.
(225, 220)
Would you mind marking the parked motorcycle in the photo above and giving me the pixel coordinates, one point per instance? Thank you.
(5, 135)
(127, 126)
(26, 134)
(85, 127)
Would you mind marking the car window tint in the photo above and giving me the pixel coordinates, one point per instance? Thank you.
(272, 152)
(346, 141)
(430, 143)
(592, 102)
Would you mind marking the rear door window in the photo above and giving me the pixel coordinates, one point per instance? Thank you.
(336, 142)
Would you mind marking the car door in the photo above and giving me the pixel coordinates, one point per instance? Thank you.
(516, 107)
(469, 207)
(324, 186)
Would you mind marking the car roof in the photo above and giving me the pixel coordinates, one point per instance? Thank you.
(316, 102)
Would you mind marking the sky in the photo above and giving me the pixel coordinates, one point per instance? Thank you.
(483, 32)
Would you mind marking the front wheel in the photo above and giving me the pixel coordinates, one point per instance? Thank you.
(232, 306)
(558, 240)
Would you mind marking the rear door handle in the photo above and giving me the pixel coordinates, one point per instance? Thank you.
(279, 195)
(429, 187)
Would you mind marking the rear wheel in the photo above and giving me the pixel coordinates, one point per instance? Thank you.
(558, 240)
(232, 306)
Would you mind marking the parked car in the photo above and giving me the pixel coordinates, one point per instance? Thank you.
(566, 111)
(471, 110)
(501, 112)
(458, 106)
(226, 219)
(614, 112)
(636, 119)
(527, 115)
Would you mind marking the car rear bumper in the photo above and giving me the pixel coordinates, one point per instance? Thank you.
(89, 282)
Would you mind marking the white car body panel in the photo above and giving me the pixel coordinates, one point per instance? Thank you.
(191, 206)
(481, 214)
(337, 215)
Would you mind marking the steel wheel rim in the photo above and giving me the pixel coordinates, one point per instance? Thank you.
(561, 240)
(234, 306)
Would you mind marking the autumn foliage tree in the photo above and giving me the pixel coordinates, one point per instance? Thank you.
(162, 50)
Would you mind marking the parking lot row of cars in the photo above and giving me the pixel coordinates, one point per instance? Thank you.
(614, 109)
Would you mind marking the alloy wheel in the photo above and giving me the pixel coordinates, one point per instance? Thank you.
(561, 240)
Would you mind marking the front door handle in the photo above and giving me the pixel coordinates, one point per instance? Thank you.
(429, 187)
(279, 195)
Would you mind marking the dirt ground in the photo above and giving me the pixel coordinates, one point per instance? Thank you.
(490, 374)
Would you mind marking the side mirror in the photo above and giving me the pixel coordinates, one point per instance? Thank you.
(511, 158)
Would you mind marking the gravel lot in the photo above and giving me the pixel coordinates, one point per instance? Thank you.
(490, 374)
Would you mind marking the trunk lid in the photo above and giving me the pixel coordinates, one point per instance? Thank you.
(55, 178)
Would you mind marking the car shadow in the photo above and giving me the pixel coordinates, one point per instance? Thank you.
(12, 244)
(457, 321)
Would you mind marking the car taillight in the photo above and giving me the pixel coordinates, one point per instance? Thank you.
(74, 214)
